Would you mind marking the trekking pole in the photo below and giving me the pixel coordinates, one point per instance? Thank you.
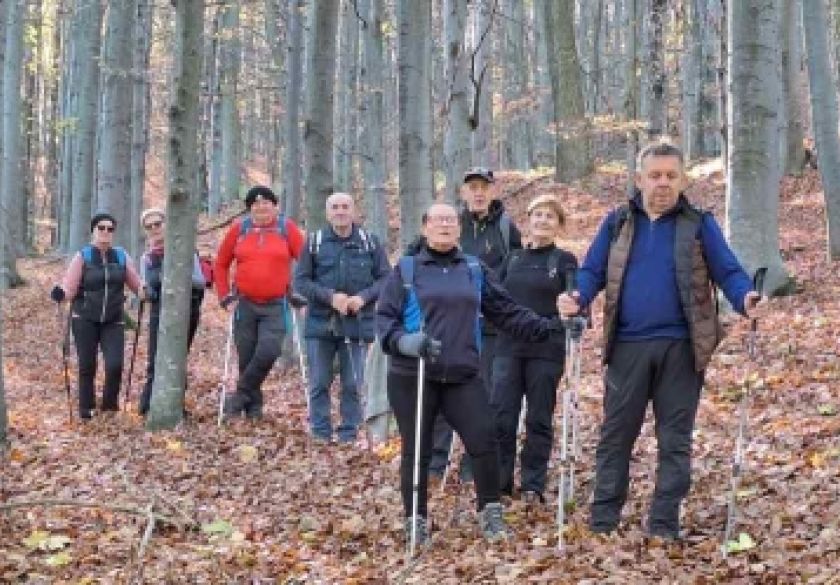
(743, 409)
(298, 345)
(65, 351)
(133, 353)
(223, 385)
(348, 345)
(569, 427)
(415, 486)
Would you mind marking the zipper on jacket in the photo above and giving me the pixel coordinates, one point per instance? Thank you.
(105, 296)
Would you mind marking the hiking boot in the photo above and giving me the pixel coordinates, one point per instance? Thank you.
(145, 399)
(492, 523)
(254, 411)
(532, 499)
(86, 414)
(235, 404)
(422, 531)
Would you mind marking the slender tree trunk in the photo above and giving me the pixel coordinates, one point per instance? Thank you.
(292, 161)
(514, 89)
(230, 125)
(318, 132)
(456, 133)
(573, 151)
(723, 80)
(373, 118)
(693, 83)
(11, 184)
(752, 202)
(69, 108)
(139, 118)
(544, 142)
(113, 187)
(414, 21)
(167, 404)
(824, 113)
(483, 153)
(794, 148)
(345, 125)
(214, 198)
(86, 44)
(655, 62)
(631, 92)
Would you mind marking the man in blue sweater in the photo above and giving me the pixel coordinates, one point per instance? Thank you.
(657, 258)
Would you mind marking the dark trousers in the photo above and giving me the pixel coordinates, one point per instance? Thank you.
(661, 371)
(466, 408)
(154, 325)
(536, 380)
(258, 334)
(91, 336)
(442, 434)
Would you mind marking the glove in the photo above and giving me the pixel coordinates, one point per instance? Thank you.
(227, 301)
(57, 294)
(297, 300)
(419, 345)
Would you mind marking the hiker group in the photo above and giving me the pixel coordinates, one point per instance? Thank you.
(478, 330)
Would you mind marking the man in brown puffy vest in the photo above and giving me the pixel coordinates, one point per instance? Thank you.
(657, 257)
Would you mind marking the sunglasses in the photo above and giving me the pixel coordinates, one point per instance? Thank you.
(153, 225)
(105, 228)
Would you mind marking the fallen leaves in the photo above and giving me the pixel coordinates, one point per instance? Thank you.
(270, 505)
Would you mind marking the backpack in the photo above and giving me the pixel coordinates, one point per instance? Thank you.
(553, 261)
(87, 255)
(368, 241)
(412, 313)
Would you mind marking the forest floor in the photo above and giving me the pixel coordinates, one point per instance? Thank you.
(267, 505)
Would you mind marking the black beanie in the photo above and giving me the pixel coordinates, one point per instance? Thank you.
(259, 192)
(99, 217)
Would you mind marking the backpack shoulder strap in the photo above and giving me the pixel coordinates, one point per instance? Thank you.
(367, 240)
(315, 242)
(244, 227)
(121, 256)
(412, 313)
(504, 227)
(622, 213)
(281, 224)
(87, 253)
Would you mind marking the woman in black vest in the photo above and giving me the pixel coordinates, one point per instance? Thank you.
(95, 282)
(151, 270)
(534, 277)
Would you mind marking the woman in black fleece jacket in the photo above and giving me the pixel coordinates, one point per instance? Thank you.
(447, 296)
(534, 277)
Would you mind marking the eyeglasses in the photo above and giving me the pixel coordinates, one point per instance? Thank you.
(443, 219)
(153, 225)
(105, 228)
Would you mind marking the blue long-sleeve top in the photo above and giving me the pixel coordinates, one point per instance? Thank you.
(650, 306)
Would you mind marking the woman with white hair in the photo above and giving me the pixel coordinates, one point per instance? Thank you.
(153, 221)
(534, 277)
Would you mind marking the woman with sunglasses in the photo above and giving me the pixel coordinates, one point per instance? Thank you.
(153, 221)
(95, 282)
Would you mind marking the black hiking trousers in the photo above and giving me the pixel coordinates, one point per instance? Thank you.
(466, 407)
(442, 432)
(90, 337)
(535, 380)
(661, 371)
(154, 326)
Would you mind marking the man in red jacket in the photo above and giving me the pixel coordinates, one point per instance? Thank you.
(263, 244)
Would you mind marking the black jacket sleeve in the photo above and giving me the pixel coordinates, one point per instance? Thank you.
(517, 321)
